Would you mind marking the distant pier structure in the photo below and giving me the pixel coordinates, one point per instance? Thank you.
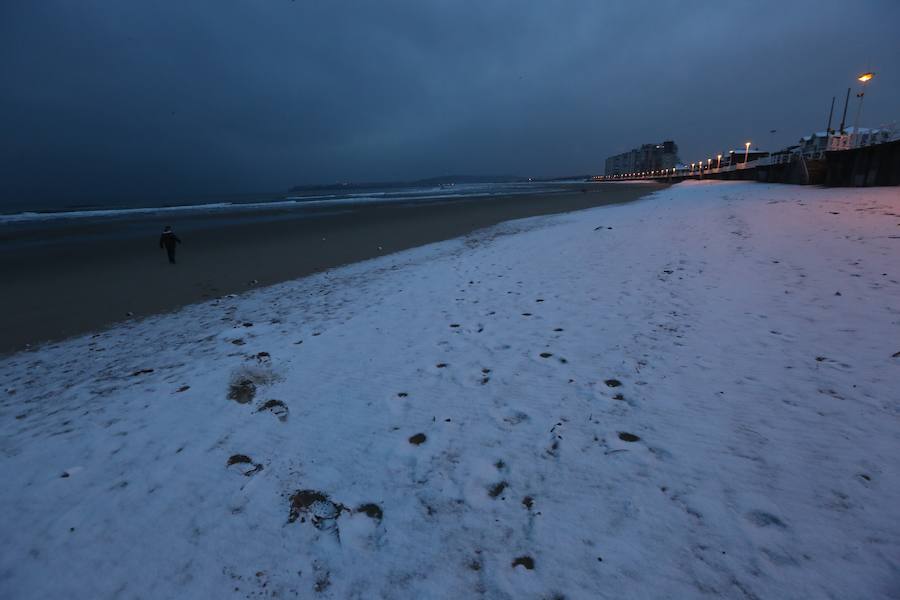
(649, 157)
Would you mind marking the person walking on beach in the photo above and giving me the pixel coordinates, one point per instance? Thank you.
(169, 240)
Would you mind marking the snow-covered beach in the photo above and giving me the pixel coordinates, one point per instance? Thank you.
(693, 395)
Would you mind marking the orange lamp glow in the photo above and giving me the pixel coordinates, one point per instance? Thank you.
(865, 77)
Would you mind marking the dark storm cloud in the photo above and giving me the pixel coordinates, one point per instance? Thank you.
(166, 99)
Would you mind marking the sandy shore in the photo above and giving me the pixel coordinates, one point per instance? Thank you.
(64, 289)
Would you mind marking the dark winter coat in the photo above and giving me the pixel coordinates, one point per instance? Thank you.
(168, 239)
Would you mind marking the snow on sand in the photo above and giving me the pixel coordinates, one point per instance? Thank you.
(694, 395)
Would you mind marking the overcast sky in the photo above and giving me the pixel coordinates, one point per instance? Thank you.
(113, 98)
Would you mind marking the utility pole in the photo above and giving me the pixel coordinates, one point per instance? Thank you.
(830, 114)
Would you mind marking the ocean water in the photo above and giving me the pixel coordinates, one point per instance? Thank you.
(23, 229)
(251, 203)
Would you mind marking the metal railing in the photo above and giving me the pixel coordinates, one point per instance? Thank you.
(849, 141)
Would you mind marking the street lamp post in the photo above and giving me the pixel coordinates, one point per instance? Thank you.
(746, 152)
(863, 80)
(719, 163)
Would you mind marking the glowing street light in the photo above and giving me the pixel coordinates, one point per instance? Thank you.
(719, 164)
(708, 162)
(863, 80)
(746, 151)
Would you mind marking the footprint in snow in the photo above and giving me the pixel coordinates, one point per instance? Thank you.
(371, 510)
(243, 464)
(523, 561)
(763, 519)
(242, 388)
(276, 407)
(242, 391)
(516, 418)
(497, 489)
(316, 506)
(553, 449)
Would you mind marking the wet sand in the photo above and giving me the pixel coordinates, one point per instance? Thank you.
(55, 291)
